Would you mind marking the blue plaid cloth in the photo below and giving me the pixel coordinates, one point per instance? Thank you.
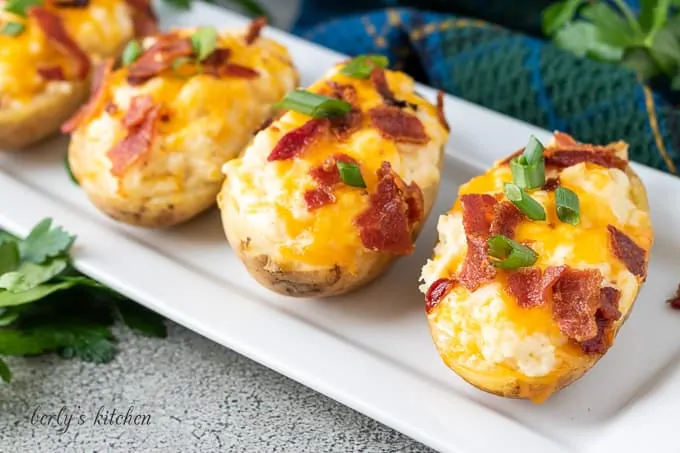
(491, 52)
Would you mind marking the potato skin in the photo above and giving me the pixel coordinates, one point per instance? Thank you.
(312, 283)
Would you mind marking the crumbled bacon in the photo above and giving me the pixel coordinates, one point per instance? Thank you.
(576, 298)
(604, 157)
(380, 84)
(52, 73)
(384, 225)
(415, 203)
(436, 292)
(476, 268)
(628, 251)
(255, 29)
(561, 140)
(111, 108)
(551, 184)
(478, 213)
(97, 97)
(144, 19)
(441, 115)
(530, 288)
(345, 125)
(297, 140)
(604, 318)
(327, 173)
(158, 58)
(318, 197)
(140, 106)
(396, 124)
(215, 60)
(71, 3)
(238, 71)
(136, 144)
(674, 301)
(53, 27)
(505, 220)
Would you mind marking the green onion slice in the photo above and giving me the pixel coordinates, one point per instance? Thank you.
(313, 104)
(69, 172)
(131, 53)
(361, 66)
(12, 29)
(527, 176)
(20, 7)
(204, 42)
(350, 174)
(533, 152)
(529, 207)
(510, 254)
(568, 206)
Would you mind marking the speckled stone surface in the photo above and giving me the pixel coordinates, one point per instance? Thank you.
(200, 396)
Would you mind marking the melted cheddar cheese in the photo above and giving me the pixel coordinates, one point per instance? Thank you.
(270, 195)
(485, 331)
(100, 29)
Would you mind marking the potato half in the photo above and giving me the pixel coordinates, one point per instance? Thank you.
(204, 120)
(32, 106)
(296, 223)
(528, 332)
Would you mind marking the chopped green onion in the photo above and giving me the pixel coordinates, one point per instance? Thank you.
(350, 174)
(510, 254)
(361, 66)
(533, 152)
(313, 104)
(568, 206)
(204, 42)
(69, 172)
(20, 7)
(529, 207)
(527, 176)
(12, 29)
(132, 51)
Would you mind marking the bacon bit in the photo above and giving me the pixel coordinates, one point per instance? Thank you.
(628, 251)
(52, 73)
(436, 292)
(144, 19)
(297, 140)
(140, 106)
(327, 173)
(97, 97)
(316, 198)
(53, 27)
(158, 58)
(563, 140)
(344, 126)
(604, 318)
(379, 81)
(236, 70)
(111, 108)
(674, 301)
(343, 92)
(576, 298)
(563, 158)
(384, 226)
(255, 29)
(505, 220)
(395, 124)
(530, 288)
(415, 202)
(265, 124)
(551, 184)
(512, 156)
(440, 111)
(212, 63)
(71, 3)
(135, 145)
(478, 213)
(476, 268)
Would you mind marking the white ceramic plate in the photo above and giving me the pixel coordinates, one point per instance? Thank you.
(379, 361)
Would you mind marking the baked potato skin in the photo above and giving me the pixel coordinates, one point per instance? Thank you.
(211, 119)
(571, 363)
(299, 275)
(32, 109)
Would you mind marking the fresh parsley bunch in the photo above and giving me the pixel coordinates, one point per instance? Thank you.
(648, 43)
(46, 305)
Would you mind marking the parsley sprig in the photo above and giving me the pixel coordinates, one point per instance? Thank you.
(47, 306)
(647, 43)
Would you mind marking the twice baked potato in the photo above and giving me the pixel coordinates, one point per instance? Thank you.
(46, 56)
(537, 267)
(149, 146)
(339, 184)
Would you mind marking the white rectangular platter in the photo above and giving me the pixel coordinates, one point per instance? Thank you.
(371, 350)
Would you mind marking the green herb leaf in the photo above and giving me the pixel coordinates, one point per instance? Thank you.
(313, 104)
(653, 16)
(665, 51)
(12, 29)
(582, 39)
(350, 173)
(204, 42)
(10, 299)
(5, 372)
(9, 256)
(509, 254)
(567, 204)
(45, 242)
(639, 61)
(131, 53)
(611, 27)
(361, 67)
(21, 7)
(141, 319)
(29, 275)
(8, 317)
(559, 14)
(527, 205)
